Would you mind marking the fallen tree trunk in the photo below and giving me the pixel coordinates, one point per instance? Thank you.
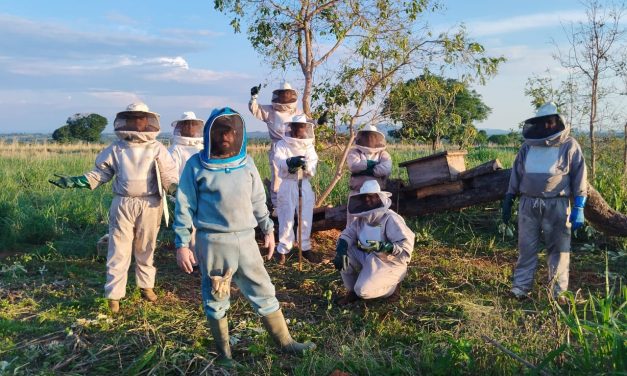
(478, 190)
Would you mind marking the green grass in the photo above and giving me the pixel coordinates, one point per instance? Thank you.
(54, 320)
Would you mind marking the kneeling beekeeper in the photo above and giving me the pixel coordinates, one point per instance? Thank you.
(222, 196)
(373, 252)
(141, 164)
(548, 170)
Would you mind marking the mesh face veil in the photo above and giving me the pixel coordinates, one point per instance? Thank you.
(543, 127)
(364, 202)
(136, 121)
(300, 130)
(189, 128)
(284, 96)
(226, 136)
(370, 139)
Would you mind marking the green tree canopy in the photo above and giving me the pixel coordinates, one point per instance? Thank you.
(81, 127)
(431, 108)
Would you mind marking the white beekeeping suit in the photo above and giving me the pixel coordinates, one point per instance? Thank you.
(275, 115)
(295, 152)
(137, 206)
(187, 140)
(374, 251)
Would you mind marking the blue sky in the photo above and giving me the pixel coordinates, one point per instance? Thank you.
(63, 57)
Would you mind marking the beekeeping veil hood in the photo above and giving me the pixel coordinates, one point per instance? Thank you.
(224, 140)
(537, 133)
(370, 203)
(299, 133)
(284, 98)
(137, 123)
(188, 130)
(369, 140)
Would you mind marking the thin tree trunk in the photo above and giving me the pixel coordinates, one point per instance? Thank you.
(339, 170)
(593, 118)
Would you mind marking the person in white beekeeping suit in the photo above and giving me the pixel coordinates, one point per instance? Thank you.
(367, 160)
(372, 254)
(222, 196)
(187, 140)
(140, 165)
(295, 155)
(275, 115)
(548, 171)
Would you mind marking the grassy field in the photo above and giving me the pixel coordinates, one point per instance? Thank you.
(54, 319)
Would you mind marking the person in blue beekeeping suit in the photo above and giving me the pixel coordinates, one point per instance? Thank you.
(548, 171)
(222, 196)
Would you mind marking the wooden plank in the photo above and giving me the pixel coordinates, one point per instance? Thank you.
(456, 165)
(486, 168)
(428, 172)
(448, 188)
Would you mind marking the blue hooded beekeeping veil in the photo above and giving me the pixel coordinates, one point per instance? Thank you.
(225, 155)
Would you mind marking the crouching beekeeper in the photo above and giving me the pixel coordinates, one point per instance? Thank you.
(548, 171)
(372, 254)
(222, 196)
(141, 165)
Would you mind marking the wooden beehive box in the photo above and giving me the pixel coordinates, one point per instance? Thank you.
(436, 168)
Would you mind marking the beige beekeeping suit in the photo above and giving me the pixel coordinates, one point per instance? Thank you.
(136, 209)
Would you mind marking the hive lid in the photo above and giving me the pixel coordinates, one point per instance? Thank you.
(446, 153)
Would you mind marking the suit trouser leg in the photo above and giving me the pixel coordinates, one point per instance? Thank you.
(147, 226)
(529, 229)
(557, 235)
(121, 233)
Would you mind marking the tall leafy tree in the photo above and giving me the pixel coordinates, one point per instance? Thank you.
(355, 49)
(431, 108)
(81, 127)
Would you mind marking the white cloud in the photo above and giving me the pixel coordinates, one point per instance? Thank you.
(526, 22)
(192, 33)
(22, 37)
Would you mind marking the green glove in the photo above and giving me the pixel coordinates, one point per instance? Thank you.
(370, 164)
(386, 247)
(70, 181)
(341, 255)
(370, 246)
